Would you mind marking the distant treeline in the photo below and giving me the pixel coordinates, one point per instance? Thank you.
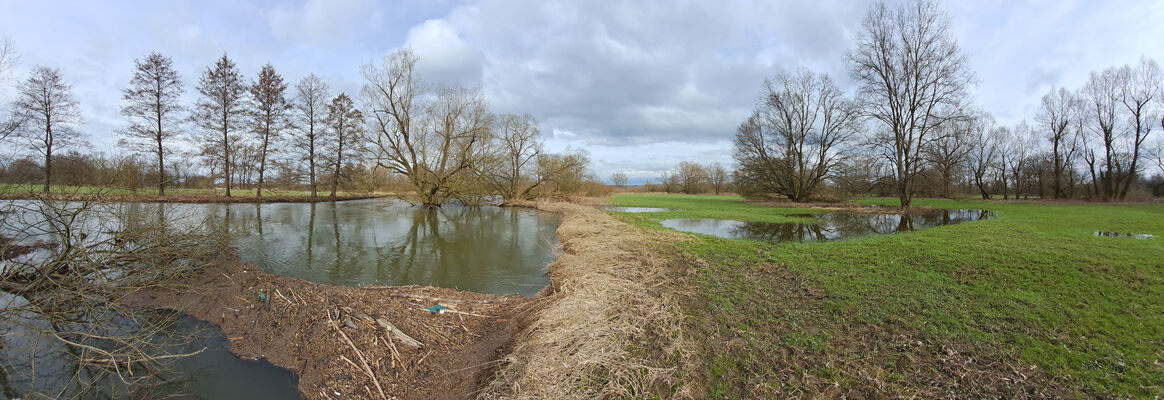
(430, 143)
(913, 129)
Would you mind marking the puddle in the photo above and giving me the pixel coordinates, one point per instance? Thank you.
(825, 227)
(1123, 235)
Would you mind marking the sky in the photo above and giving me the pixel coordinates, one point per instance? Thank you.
(641, 85)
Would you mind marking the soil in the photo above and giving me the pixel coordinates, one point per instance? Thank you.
(299, 328)
(183, 198)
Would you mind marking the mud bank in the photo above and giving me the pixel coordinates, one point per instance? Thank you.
(332, 338)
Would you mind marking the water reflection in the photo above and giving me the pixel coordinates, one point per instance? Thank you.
(1123, 235)
(35, 363)
(481, 249)
(825, 227)
(376, 241)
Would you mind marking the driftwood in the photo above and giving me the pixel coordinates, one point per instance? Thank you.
(387, 325)
(432, 298)
(404, 338)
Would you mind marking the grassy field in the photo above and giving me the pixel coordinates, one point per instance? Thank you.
(1028, 304)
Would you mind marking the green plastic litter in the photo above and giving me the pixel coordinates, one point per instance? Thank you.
(262, 297)
(437, 308)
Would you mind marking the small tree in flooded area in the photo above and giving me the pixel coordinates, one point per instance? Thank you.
(69, 308)
(49, 113)
(791, 142)
(345, 135)
(268, 117)
(152, 104)
(219, 112)
(309, 108)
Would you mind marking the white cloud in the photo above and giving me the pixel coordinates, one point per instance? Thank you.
(442, 56)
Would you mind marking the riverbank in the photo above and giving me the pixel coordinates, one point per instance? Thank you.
(608, 327)
(335, 338)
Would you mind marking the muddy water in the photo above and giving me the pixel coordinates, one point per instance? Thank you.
(825, 227)
(380, 241)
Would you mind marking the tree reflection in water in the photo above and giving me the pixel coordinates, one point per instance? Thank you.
(826, 227)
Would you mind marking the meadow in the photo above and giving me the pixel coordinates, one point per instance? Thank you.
(1030, 303)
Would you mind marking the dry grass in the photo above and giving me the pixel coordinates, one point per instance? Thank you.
(607, 327)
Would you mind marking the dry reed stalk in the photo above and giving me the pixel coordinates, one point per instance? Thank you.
(606, 299)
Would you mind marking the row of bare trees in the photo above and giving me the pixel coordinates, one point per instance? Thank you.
(692, 178)
(912, 128)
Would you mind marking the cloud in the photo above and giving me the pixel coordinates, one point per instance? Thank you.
(641, 84)
(442, 56)
(323, 22)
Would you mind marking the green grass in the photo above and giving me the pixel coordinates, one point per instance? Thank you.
(1033, 285)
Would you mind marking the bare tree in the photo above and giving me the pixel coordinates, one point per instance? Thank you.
(618, 179)
(269, 115)
(718, 177)
(1023, 144)
(559, 174)
(220, 112)
(433, 139)
(310, 109)
(791, 142)
(1139, 94)
(913, 78)
(49, 111)
(346, 125)
(517, 150)
(984, 152)
(1058, 115)
(152, 103)
(948, 153)
(692, 177)
(8, 58)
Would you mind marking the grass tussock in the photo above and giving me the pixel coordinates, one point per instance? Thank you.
(608, 328)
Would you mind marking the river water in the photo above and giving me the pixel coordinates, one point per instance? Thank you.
(352, 243)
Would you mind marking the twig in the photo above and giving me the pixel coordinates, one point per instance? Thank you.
(360, 355)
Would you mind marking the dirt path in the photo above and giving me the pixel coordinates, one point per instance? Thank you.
(329, 335)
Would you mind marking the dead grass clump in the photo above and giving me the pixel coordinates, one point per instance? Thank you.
(607, 327)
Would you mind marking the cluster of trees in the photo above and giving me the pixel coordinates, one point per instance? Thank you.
(911, 127)
(442, 142)
(692, 178)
